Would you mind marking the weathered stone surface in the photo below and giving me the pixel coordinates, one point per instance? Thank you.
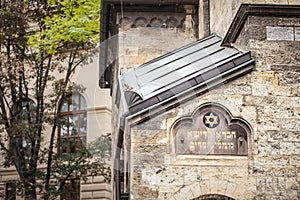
(148, 136)
(143, 159)
(297, 33)
(268, 99)
(261, 100)
(145, 192)
(289, 74)
(280, 33)
(148, 148)
(238, 89)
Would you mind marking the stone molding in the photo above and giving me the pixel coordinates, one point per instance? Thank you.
(151, 19)
(246, 10)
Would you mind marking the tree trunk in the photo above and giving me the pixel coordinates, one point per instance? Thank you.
(30, 192)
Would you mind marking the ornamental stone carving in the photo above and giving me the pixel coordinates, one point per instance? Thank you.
(161, 20)
(211, 130)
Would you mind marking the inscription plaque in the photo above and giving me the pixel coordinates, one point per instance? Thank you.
(211, 131)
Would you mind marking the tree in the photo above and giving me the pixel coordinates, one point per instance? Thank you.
(42, 44)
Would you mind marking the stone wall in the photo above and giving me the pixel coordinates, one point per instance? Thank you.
(223, 12)
(268, 98)
(143, 36)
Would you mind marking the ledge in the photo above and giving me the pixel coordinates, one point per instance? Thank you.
(246, 10)
(209, 160)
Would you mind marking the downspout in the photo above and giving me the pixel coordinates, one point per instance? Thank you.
(104, 34)
(122, 124)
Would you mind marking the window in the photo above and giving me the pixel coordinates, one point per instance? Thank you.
(10, 191)
(73, 126)
(71, 190)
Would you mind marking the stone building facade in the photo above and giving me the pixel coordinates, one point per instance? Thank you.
(209, 108)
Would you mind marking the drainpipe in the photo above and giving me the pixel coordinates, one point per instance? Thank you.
(122, 124)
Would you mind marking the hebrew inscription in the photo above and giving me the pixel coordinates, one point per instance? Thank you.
(211, 131)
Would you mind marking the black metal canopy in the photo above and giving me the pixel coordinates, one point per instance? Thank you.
(194, 67)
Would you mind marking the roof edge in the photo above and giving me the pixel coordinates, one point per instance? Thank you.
(226, 72)
(168, 104)
(246, 10)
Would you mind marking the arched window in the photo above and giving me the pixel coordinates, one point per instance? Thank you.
(73, 124)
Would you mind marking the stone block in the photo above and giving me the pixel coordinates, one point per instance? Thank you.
(288, 74)
(148, 136)
(290, 22)
(260, 101)
(169, 176)
(284, 101)
(290, 125)
(143, 159)
(266, 77)
(86, 195)
(98, 179)
(290, 148)
(274, 135)
(238, 89)
(148, 148)
(143, 192)
(257, 32)
(196, 189)
(249, 113)
(297, 33)
(155, 123)
(185, 193)
(263, 45)
(259, 90)
(278, 33)
(102, 195)
(136, 178)
(167, 192)
(296, 111)
(95, 187)
(269, 148)
(280, 91)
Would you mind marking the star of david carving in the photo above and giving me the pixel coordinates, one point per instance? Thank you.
(211, 120)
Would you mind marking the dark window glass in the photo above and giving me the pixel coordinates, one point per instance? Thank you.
(10, 191)
(71, 190)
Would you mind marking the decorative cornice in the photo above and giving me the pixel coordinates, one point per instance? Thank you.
(246, 10)
(150, 19)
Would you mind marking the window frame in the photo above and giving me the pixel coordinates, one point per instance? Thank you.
(71, 189)
(69, 114)
(10, 191)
